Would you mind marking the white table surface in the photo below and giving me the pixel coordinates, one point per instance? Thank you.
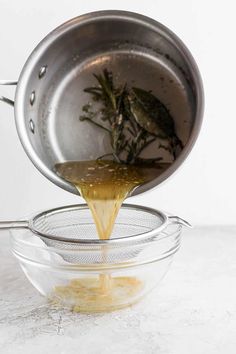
(193, 312)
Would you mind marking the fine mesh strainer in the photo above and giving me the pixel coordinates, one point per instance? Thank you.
(71, 233)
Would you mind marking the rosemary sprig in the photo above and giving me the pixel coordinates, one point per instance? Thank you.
(133, 118)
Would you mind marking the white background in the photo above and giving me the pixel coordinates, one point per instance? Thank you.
(203, 191)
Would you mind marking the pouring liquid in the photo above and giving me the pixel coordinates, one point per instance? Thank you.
(104, 185)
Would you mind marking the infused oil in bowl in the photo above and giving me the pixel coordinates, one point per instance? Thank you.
(62, 257)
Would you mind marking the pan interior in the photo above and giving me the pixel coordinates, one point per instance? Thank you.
(136, 54)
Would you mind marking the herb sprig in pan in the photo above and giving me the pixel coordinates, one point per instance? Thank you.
(134, 118)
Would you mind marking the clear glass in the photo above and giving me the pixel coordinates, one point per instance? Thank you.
(88, 275)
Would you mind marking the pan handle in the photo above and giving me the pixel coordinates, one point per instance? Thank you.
(3, 98)
(22, 224)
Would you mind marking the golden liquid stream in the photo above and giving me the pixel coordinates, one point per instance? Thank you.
(104, 185)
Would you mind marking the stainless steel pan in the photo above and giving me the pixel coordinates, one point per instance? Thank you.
(49, 93)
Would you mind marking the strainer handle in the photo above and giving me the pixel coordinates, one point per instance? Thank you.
(3, 98)
(178, 220)
(22, 224)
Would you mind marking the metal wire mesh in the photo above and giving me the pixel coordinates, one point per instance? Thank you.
(77, 223)
(68, 227)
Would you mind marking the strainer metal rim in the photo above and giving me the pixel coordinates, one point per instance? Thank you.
(142, 236)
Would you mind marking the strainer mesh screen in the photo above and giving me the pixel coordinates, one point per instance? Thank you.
(77, 223)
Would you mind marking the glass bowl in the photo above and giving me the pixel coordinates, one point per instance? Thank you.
(73, 268)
